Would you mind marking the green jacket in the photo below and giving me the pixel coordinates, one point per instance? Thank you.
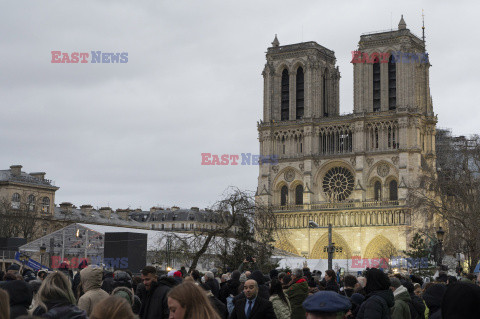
(282, 309)
(297, 293)
(401, 309)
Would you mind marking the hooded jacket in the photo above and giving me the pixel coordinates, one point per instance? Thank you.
(401, 309)
(282, 309)
(65, 311)
(297, 293)
(129, 296)
(377, 305)
(91, 279)
(20, 297)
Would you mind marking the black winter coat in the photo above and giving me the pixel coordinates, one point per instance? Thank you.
(377, 305)
(155, 305)
(60, 311)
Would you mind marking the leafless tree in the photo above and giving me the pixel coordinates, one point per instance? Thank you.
(450, 193)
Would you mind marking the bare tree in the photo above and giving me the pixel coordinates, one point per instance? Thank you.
(451, 191)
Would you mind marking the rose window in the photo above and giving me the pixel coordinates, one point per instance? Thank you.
(338, 183)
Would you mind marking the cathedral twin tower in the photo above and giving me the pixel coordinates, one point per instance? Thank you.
(351, 171)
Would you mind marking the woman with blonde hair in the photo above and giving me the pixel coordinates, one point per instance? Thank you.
(56, 300)
(113, 307)
(4, 305)
(189, 301)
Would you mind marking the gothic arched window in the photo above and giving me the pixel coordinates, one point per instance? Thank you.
(392, 84)
(299, 195)
(284, 196)
(324, 94)
(285, 96)
(393, 190)
(377, 190)
(300, 93)
(376, 86)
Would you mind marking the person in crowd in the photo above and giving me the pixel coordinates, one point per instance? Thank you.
(91, 281)
(230, 289)
(331, 281)
(4, 305)
(433, 296)
(326, 305)
(379, 297)
(188, 300)
(177, 275)
(108, 282)
(274, 274)
(223, 280)
(263, 290)
(195, 274)
(76, 279)
(20, 295)
(155, 302)
(349, 283)
(212, 283)
(401, 308)
(252, 306)
(219, 306)
(461, 300)
(286, 281)
(248, 265)
(183, 271)
(360, 286)
(280, 302)
(123, 284)
(356, 299)
(56, 299)
(417, 289)
(417, 306)
(451, 280)
(297, 293)
(13, 269)
(112, 307)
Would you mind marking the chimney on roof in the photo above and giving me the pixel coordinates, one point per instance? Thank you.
(16, 170)
(66, 207)
(174, 208)
(195, 209)
(123, 213)
(155, 208)
(38, 175)
(86, 209)
(106, 212)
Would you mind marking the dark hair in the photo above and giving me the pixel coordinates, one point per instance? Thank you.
(287, 279)
(276, 289)
(4, 304)
(149, 270)
(195, 274)
(376, 280)
(349, 281)
(330, 273)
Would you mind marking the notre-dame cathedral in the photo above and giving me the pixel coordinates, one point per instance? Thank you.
(351, 171)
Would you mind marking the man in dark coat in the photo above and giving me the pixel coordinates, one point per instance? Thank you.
(212, 283)
(154, 305)
(252, 306)
(433, 299)
(461, 300)
(230, 287)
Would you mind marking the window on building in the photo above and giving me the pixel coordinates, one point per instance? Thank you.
(376, 86)
(46, 205)
(31, 202)
(392, 84)
(300, 93)
(377, 189)
(162, 227)
(299, 195)
(16, 201)
(324, 94)
(284, 195)
(173, 226)
(285, 102)
(183, 226)
(191, 226)
(393, 190)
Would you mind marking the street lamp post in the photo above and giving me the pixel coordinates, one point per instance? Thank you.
(440, 236)
(331, 247)
(311, 224)
(43, 249)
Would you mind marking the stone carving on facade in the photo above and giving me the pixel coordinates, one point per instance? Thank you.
(369, 161)
(395, 160)
(353, 160)
(301, 166)
(316, 162)
(289, 175)
(275, 168)
(383, 169)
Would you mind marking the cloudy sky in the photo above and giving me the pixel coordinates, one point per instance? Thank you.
(131, 135)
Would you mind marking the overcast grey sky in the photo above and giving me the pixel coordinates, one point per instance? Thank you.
(132, 134)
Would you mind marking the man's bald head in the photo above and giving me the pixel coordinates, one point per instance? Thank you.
(250, 289)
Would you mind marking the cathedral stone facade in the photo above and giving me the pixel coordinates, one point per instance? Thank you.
(351, 171)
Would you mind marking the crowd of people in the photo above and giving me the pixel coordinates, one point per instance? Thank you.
(247, 293)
